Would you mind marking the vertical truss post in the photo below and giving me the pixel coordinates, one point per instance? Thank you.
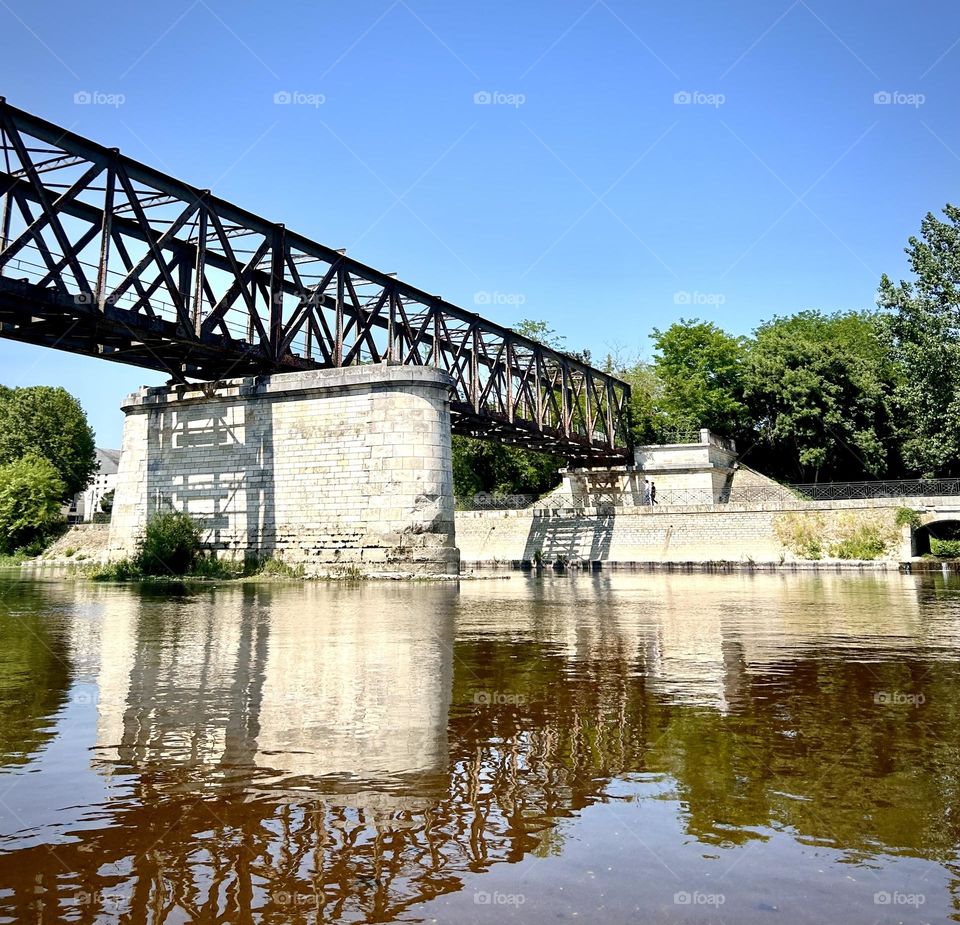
(538, 360)
(5, 219)
(391, 326)
(338, 333)
(508, 350)
(611, 431)
(475, 369)
(106, 231)
(589, 409)
(199, 264)
(277, 259)
(184, 264)
(6, 215)
(565, 397)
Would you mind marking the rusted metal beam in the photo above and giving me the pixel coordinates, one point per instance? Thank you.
(179, 279)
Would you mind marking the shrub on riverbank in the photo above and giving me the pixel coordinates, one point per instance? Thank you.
(907, 516)
(273, 568)
(862, 536)
(204, 567)
(30, 499)
(945, 549)
(170, 545)
(170, 548)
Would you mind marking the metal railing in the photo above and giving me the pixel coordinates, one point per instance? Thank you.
(608, 500)
(485, 501)
(677, 437)
(894, 488)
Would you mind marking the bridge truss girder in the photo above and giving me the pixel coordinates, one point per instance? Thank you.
(104, 256)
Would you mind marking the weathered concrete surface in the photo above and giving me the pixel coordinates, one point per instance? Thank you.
(739, 533)
(329, 469)
(706, 466)
(694, 473)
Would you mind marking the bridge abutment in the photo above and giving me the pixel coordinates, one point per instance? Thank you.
(335, 470)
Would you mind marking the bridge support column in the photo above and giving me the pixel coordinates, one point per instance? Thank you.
(336, 470)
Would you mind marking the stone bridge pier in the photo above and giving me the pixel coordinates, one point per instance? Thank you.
(336, 470)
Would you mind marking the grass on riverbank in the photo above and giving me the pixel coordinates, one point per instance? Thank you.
(9, 561)
(171, 550)
(205, 568)
(36, 547)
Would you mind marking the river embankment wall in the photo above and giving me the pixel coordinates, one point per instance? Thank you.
(787, 533)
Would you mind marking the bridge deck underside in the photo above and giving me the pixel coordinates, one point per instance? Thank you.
(46, 318)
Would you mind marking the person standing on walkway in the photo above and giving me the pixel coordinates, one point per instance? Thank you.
(653, 492)
(647, 492)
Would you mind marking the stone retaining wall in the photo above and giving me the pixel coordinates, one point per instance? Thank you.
(720, 533)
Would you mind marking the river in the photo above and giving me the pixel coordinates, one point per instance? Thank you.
(746, 748)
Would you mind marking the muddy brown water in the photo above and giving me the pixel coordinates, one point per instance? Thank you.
(596, 748)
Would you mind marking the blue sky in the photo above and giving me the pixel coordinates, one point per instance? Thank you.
(624, 164)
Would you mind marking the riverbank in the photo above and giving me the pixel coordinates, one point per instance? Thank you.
(870, 533)
(859, 536)
(700, 567)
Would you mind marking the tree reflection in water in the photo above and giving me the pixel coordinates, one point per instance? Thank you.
(331, 753)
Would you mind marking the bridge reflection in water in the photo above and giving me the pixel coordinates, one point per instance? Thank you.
(335, 753)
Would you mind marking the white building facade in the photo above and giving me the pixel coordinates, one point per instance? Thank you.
(87, 503)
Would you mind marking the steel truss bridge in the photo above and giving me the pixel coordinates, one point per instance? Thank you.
(104, 256)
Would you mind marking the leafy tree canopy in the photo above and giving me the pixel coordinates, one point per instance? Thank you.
(48, 422)
(31, 492)
(819, 387)
(924, 338)
(700, 369)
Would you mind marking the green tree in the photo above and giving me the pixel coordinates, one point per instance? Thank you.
(31, 493)
(541, 332)
(648, 423)
(924, 335)
(819, 386)
(700, 369)
(48, 422)
(485, 466)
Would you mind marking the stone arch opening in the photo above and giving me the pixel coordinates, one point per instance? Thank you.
(938, 538)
